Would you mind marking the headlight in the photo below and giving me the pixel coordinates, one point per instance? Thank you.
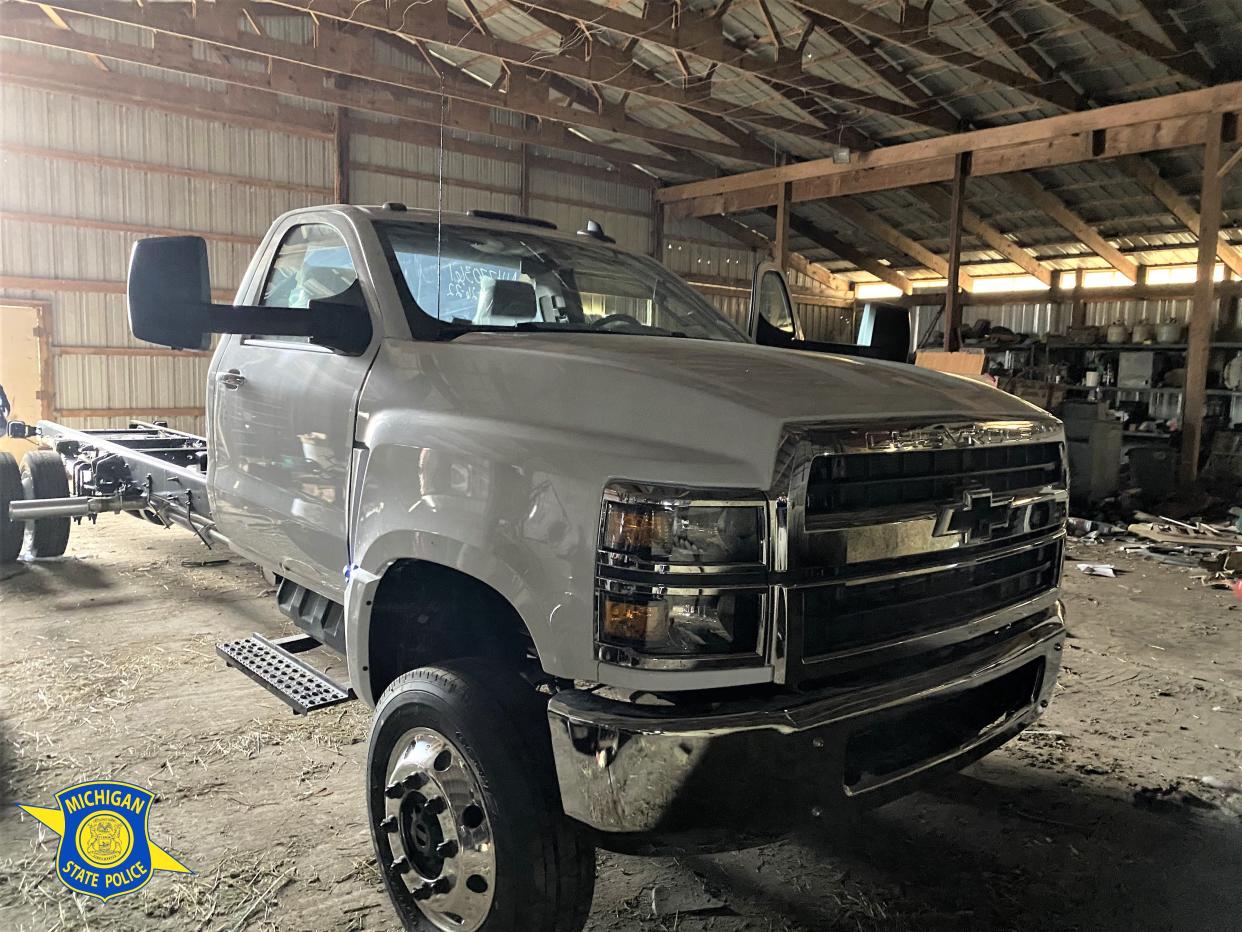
(681, 573)
(683, 534)
(697, 622)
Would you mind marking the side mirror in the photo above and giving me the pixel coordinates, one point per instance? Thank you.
(169, 292)
(169, 296)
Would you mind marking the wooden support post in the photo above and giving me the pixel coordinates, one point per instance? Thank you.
(953, 291)
(524, 192)
(780, 243)
(340, 145)
(1203, 311)
(657, 231)
(1078, 307)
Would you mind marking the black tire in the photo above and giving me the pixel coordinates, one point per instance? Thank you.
(12, 533)
(544, 862)
(43, 475)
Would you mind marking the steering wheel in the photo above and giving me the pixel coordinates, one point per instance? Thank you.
(601, 322)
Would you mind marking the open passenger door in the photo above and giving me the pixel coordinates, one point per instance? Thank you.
(881, 331)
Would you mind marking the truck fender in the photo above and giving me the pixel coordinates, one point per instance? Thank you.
(382, 553)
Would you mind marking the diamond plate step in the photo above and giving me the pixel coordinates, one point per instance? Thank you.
(272, 665)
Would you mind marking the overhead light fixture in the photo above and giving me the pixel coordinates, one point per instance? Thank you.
(841, 155)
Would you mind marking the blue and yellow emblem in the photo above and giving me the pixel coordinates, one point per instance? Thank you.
(104, 850)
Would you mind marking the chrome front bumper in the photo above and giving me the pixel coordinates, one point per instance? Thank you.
(754, 769)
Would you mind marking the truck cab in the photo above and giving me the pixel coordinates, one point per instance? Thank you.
(610, 570)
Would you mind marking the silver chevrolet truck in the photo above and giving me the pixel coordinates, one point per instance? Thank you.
(610, 573)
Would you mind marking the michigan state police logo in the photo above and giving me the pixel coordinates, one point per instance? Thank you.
(104, 850)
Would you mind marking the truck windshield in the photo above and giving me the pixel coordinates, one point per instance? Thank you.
(484, 279)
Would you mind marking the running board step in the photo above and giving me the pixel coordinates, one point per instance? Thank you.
(272, 665)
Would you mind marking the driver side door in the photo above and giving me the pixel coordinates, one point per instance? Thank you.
(283, 411)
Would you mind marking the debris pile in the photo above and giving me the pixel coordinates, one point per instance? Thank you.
(1212, 548)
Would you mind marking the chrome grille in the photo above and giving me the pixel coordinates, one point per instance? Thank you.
(844, 616)
(842, 483)
(906, 539)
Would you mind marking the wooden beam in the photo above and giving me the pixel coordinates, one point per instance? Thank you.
(991, 236)
(1230, 164)
(850, 253)
(953, 294)
(867, 220)
(1203, 311)
(780, 245)
(1148, 176)
(1169, 122)
(917, 38)
(1055, 208)
(1174, 32)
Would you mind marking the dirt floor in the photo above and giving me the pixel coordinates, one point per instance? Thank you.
(1121, 809)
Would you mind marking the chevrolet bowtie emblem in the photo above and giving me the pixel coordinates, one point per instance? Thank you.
(976, 518)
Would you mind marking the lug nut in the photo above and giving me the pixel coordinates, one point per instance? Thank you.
(423, 892)
(401, 865)
(389, 824)
(436, 805)
(447, 849)
(443, 885)
(415, 781)
(393, 791)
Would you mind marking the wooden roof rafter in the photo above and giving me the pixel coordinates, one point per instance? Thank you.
(870, 222)
(345, 53)
(918, 38)
(1030, 188)
(705, 38)
(1146, 174)
(1183, 62)
(1162, 14)
(846, 250)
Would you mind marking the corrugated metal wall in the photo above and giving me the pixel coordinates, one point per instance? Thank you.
(84, 178)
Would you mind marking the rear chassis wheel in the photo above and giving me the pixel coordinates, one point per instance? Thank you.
(12, 534)
(43, 476)
(464, 808)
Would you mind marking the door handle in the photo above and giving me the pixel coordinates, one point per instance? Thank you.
(232, 379)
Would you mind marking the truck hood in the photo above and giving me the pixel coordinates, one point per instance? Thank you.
(778, 383)
(687, 401)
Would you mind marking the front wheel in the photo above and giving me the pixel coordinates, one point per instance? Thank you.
(464, 809)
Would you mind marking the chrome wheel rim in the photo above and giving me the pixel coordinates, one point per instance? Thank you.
(438, 831)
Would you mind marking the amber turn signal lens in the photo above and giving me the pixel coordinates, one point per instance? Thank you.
(635, 528)
(635, 622)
